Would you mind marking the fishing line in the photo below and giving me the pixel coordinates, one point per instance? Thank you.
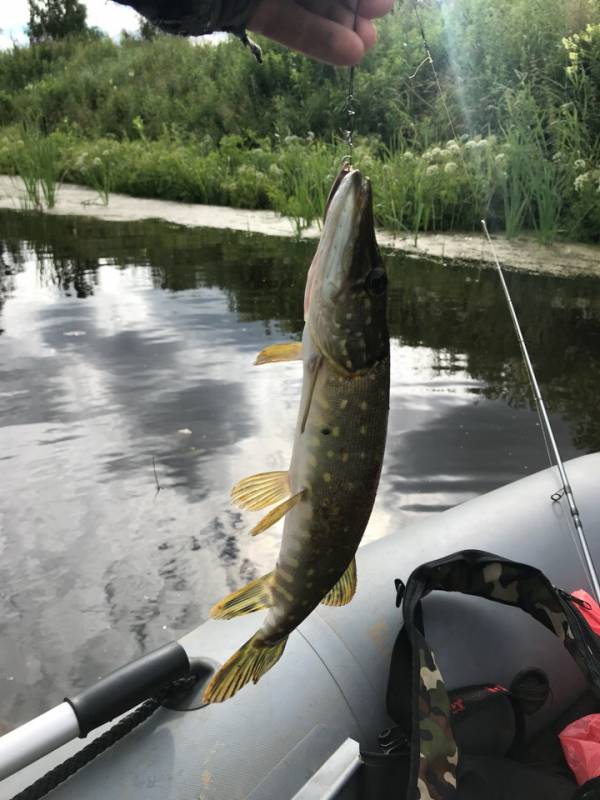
(546, 427)
(434, 70)
(350, 110)
(429, 59)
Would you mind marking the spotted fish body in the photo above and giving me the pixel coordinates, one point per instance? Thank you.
(338, 445)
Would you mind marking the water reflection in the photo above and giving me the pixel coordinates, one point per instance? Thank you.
(131, 345)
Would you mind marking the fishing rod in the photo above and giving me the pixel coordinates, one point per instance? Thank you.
(546, 426)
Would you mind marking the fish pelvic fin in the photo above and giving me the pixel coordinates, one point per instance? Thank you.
(277, 513)
(249, 663)
(290, 351)
(261, 490)
(254, 596)
(343, 591)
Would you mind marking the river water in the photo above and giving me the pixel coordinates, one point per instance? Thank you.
(126, 357)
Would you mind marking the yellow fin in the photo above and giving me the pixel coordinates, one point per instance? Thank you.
(249, 663)
(261, 490)
(290, 351)
(344, 589)
(277, 513)
(255, 596)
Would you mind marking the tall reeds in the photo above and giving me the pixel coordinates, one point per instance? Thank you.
(37, 161)
(540, 176)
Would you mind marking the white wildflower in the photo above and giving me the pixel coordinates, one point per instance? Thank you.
(500, 159)
(433, 169)
(579, 165)
(450, 168)
(408, 156)
(581, 181)
(471, 145)
(436, 153)
(453, 147)
(97, 162)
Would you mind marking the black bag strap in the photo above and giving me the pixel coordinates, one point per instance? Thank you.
(425, 702)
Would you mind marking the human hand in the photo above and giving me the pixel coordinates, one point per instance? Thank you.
(322, 29)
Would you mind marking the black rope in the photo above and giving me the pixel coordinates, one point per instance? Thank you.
(59, 774)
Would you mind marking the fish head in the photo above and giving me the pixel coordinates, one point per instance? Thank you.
(345, 302)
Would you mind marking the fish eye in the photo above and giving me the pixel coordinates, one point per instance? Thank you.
(376, 282)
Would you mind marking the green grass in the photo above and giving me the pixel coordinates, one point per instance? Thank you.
(37, 159)
(513, 181)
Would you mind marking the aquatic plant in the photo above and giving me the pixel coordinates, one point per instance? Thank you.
(37, 161)
(517, 181)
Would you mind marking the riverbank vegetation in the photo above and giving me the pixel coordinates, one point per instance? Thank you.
(156, 116)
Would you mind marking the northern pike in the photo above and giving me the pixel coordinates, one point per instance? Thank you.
(328, 492)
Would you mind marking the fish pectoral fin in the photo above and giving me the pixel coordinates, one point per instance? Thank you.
(343, 591)
(313, 367)
(255, 596)
(261, 490)
(277, 513)
(249, 663)
(290, 351)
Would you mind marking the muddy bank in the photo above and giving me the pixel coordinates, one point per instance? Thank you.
(522, 254)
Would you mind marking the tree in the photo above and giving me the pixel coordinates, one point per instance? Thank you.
(147, 30)
(55, 19)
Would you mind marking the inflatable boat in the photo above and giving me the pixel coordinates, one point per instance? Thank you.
(300, 731)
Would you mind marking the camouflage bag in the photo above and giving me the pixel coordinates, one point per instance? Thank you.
(433, 753)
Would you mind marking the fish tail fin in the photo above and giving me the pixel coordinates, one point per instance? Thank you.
(249, 663)
(254, 596)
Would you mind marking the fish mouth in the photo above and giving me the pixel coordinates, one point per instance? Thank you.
(348, 216)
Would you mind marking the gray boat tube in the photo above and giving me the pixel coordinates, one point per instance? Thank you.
(270, 739)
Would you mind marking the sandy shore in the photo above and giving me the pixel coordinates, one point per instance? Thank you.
(523, 253)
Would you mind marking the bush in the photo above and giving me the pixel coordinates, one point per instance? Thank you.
(163, 117)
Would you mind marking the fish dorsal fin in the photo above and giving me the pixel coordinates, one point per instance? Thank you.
(290, 351)
(254, 596)
(277, 513)
(261, 490)
(344, 589)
